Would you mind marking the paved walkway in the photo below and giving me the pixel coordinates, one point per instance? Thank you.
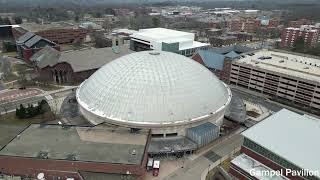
(16, 94)
(194, 169)
(197, 165)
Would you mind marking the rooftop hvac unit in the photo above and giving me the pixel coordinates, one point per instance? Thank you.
(40, 176)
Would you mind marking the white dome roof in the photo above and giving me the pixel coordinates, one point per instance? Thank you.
(153, 88)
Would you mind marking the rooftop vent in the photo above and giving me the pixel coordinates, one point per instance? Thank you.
(72, 157)
(133, 152)
(43, 155)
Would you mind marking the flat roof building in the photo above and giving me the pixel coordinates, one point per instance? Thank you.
(162, 39)
(285, 140)
(288, 76)
(63, 151)
(58, 32)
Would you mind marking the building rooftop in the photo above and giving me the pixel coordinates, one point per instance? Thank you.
(105, 176)
(248, 164)
(291, 136)
(302, 29)
(80, 60)
(285, 63)
(162, 33)
(225, 37)
(9, 132)
(94, 144)
(169, 36)
(214, 30)
(171, 145)
(34, 27)
(215, 60)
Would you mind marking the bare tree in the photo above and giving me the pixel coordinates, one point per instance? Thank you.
(107, 25)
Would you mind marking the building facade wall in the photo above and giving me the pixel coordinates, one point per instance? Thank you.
(180, 130)
(289, 36)
(267, 162)
(30, 167)
(62, 73)
(297, 90)
(226, 70)
(62, 36)
(238, 173)
(27, 53)
(299, 23)
(245, 25)
(221, 41)
(198, 59)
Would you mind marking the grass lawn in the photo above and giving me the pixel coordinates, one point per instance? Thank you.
(10, 54)
(11, 119)
(19, 67)
(10, 77)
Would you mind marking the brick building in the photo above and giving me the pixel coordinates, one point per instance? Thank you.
(276, 145)
(309, 34)
(73, 66)
(252, 25)
(62, 152)
(299, 23)
(245, 25)
(241, 36)
(290, 77)
(29, 43)
(58, 32)
(219, 41)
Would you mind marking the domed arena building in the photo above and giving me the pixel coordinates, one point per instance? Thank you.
(162, 91)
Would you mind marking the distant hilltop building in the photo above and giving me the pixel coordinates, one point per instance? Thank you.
(161, 39)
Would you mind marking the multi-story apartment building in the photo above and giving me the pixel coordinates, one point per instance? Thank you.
(292, 77)
(252, 25)
(309, 33)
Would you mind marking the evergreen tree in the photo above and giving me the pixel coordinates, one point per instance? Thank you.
(18, 20)
(22, 112)
(299, 45)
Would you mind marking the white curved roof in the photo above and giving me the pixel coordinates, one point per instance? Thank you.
(150, 88)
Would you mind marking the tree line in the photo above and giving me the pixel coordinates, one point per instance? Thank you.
(31, 111)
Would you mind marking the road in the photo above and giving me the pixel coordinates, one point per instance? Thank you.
(197, 165)
(12, 105)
